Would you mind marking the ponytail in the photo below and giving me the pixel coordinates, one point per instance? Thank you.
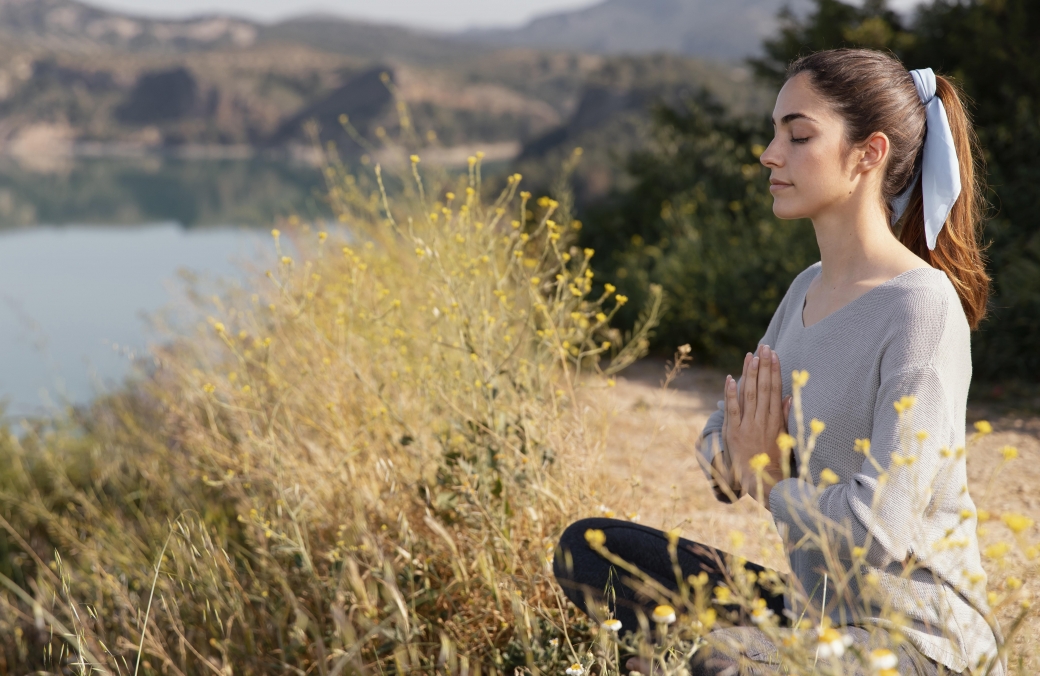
(957, 250)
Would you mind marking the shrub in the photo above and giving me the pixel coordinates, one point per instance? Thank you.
(356, 464)
(699, 223)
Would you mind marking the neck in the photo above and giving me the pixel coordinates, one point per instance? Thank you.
(855, 241)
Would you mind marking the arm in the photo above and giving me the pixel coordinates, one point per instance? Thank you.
(884, 504)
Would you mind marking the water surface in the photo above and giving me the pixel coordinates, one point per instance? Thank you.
(89, 251)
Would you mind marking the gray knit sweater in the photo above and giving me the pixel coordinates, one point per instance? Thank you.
(907, 336)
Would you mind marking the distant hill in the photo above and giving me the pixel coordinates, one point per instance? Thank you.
(708, 29)
(711, 29)
(70, 25)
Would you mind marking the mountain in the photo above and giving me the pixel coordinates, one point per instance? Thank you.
(69, 25)
(711, 29)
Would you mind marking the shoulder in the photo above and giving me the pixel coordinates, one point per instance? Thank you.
(923, 316)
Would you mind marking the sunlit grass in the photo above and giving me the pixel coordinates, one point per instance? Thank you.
(361, 462)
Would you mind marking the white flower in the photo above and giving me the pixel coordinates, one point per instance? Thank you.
(612, 625)
(553, 642)
(882, 661)
(575, 670)
(832, 643)
(761, 615)
(664, 614)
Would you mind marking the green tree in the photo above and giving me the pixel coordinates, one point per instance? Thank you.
(991, 48)
(833, 24)
(698, 220)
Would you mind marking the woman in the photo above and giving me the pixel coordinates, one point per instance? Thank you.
(862, 147)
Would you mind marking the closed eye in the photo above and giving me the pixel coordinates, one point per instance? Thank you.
(799, 140)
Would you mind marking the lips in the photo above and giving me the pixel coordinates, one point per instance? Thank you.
(777, 186)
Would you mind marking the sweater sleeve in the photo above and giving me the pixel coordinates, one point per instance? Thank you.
(711, 441)
(882, 507)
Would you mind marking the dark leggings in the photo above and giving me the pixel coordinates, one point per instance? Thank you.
(584, 575)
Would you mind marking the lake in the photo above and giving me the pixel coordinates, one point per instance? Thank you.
(88, 251)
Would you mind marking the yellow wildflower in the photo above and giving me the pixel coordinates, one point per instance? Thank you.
(759, 462)
(595, 537)
(817, 426)
(673, 537)
(998, 550)
(1009, 453)
(904, 404)
(828, 477)
(983, 427)
(1017, 522)
(799, 378)
(785, 441)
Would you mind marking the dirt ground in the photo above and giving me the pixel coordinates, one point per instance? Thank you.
(649, 470)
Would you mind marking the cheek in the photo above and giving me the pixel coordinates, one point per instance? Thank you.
(818, 180)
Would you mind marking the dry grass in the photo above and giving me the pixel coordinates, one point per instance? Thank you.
(360, 464)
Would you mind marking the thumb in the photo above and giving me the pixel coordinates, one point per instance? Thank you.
(787, 408)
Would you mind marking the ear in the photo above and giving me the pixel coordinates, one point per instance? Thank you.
(873, 153)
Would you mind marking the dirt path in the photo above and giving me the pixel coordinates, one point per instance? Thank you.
(650, 469)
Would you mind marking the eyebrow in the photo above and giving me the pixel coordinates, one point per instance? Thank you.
(787, 119)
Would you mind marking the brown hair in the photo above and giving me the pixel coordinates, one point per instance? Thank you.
(873, 91)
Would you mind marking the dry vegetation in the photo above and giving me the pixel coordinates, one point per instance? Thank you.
(361, 464)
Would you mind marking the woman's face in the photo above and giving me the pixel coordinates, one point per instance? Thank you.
(807, 158)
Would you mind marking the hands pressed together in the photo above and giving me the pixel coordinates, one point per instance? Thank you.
(755, 416)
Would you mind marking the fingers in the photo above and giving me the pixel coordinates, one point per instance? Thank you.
(732, 407)
(750, 390)
(767, 411)
(787, 410)
(742, 384)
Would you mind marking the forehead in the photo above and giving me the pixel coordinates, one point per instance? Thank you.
(797, 96)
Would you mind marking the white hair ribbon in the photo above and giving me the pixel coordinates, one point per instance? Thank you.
(940, 171)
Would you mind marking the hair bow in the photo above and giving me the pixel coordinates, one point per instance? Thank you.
(940, 172)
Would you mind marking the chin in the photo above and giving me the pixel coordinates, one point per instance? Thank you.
(788, 210)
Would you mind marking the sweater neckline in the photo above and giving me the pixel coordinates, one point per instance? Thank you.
(805, 293)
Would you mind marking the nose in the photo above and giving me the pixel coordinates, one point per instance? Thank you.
(770, 157)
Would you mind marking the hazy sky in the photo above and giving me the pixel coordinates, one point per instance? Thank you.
(433, 14)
